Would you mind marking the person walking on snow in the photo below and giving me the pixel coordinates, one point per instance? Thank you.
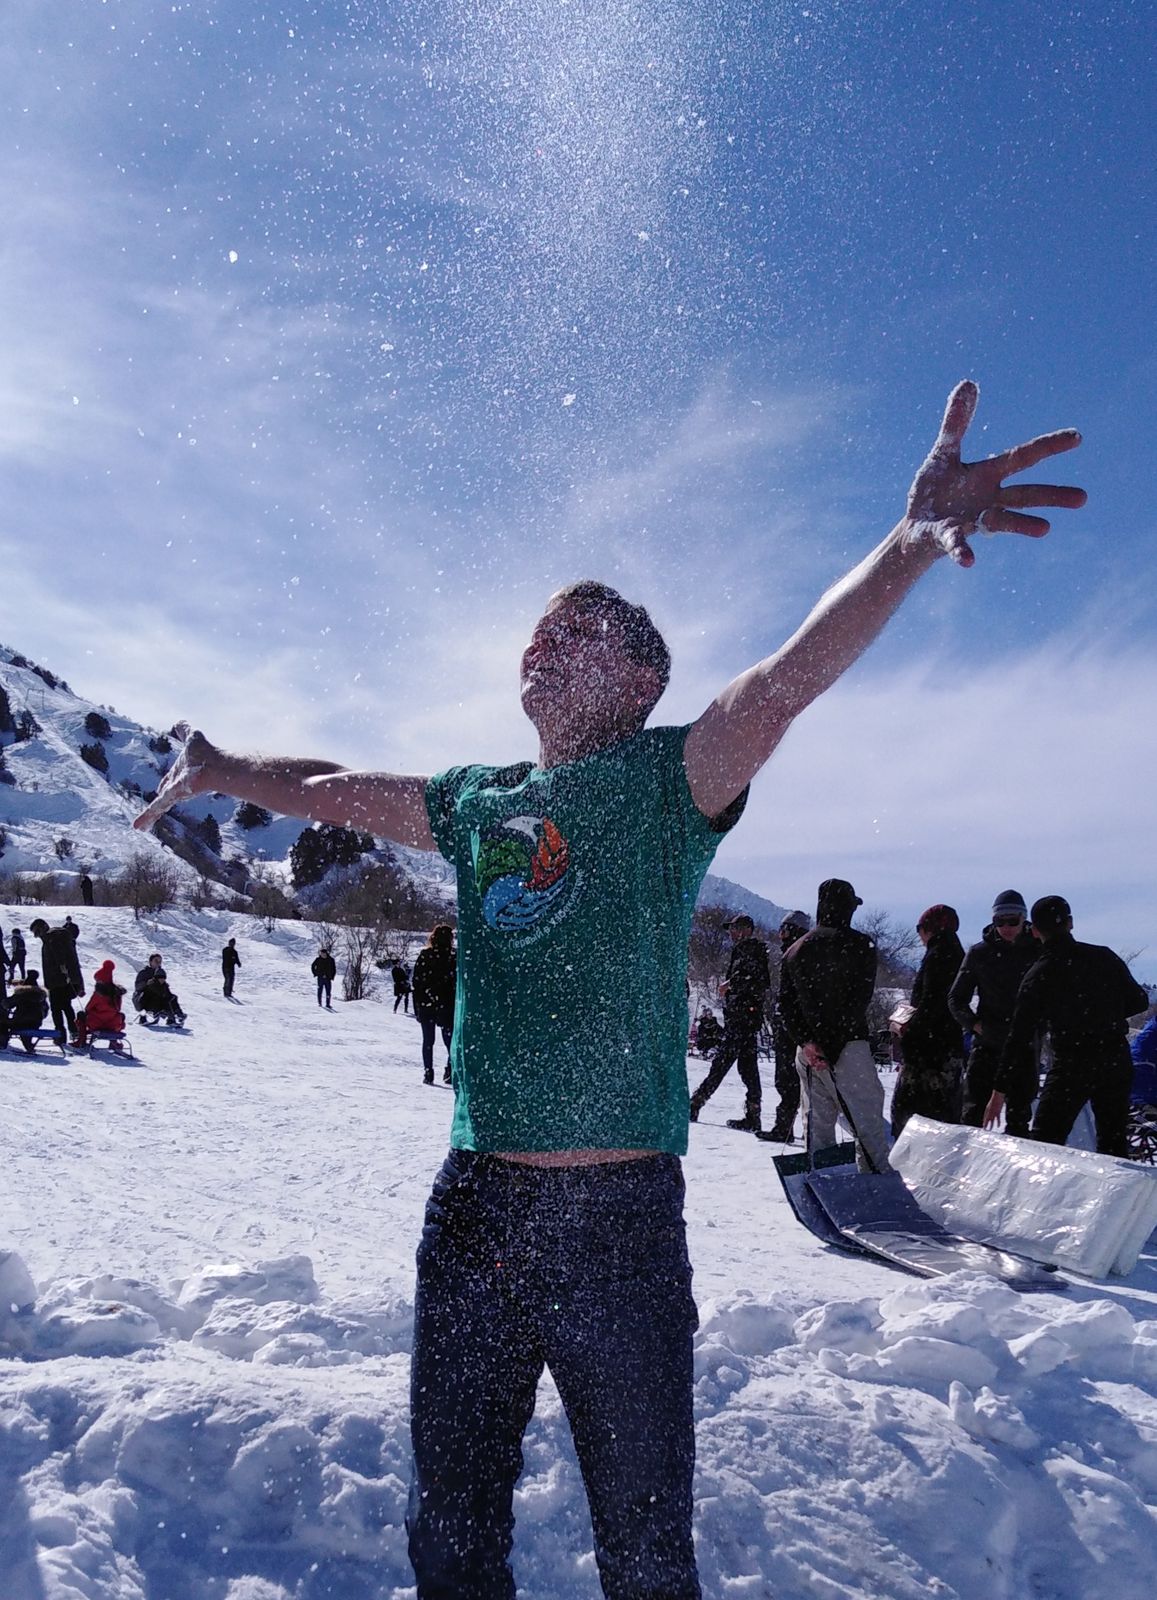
(554, 1234)
(324, 969)
(1083, 994)
(230, 961)
(18, 951)
(787, 1079)
(62, 976)
(826, 983)
(744, 992)
(992, 971)
(435, 987)
(401, 980)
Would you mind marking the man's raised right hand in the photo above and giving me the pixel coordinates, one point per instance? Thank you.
(189, 775)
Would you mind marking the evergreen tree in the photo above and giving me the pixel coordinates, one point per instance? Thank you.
(95, 755)
(318, 849)
(209, 831)
(97, 726)
(248, 815)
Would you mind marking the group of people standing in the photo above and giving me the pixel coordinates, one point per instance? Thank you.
(969, 1042)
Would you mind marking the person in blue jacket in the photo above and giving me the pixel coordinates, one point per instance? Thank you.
(1143, 1049)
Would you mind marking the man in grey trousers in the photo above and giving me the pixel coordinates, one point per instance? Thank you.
(825, 987)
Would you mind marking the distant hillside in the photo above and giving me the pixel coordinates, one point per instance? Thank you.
(735, 898)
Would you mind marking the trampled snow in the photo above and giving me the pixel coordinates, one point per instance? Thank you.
(206, 1317)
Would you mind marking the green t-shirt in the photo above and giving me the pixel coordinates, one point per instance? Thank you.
(576, 889)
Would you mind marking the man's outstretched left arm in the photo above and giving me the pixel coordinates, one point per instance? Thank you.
(950, 499)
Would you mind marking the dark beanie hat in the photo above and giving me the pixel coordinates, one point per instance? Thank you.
(1009, 903)
(1051, 913)
(939, 919)
(794, 926)
(835, 903)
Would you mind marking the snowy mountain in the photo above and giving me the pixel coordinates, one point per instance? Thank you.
(73, 774)
(733, 897)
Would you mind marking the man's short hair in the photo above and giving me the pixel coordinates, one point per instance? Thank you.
(644, 643)
(1051, 914)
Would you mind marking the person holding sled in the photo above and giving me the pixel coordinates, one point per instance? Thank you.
(554, 1233)
(62, 977)
(826, 983)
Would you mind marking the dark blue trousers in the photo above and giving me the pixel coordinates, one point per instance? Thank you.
(584, 1270)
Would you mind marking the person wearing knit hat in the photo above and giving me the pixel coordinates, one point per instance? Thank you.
(992, 972)
(933, 1046)
(1084, 995)
(102, 1013)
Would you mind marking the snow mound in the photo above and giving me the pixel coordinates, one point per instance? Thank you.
(264, 1452)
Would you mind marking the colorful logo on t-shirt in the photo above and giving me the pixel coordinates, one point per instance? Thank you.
(523, 873)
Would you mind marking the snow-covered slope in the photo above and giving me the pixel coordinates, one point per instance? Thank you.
(212, 1399)
(735, 898)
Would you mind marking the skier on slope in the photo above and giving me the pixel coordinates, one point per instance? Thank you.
(554, 1234)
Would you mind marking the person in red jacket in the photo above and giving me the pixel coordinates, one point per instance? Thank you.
(103, 1012)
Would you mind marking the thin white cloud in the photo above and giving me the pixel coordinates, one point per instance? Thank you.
(953, 782)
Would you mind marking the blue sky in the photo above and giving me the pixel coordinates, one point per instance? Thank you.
(338, 335)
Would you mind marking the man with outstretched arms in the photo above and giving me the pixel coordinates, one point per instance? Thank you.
(554, 1233)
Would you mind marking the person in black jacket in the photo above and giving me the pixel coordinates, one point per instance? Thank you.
(929, 1083)
(1083, 994)
(826, 984)
(401, 982)
(435, 984)
(27, 1007)
(787, 1081)
(992, 971)
(744, 992)
(62, 976)
(151, 993)
(17, 953)
(324, 969)
(230, 961)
